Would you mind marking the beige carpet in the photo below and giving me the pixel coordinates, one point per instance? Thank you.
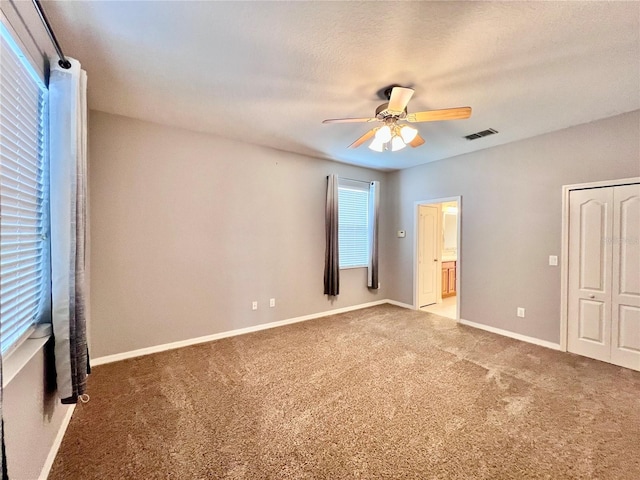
(378, 393)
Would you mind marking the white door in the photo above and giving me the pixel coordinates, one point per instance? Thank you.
(427, 255)
(590, 224)
(604, 274)
(625, 309)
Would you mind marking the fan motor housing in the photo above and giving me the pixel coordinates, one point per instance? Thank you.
(382, 112)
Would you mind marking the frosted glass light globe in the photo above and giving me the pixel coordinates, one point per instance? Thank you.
(376, 145)
(408, 133)
(397, 144)
(384, 134)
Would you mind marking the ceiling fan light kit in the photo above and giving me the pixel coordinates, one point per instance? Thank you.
(392, 138)
(392, 135)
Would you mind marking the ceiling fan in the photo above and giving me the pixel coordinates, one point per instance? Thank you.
(395, 136)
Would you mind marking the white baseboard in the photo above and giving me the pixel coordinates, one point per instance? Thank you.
(46, 468)
(231, 333)
(400, 304)
(507, 333)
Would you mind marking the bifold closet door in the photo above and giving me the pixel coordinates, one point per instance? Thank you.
(590, 255)
(625, 308)
(604, 274)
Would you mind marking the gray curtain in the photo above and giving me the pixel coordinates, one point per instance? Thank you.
(68, 157)
(374, 207)
(331, 258)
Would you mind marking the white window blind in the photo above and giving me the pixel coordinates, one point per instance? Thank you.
(23, 191)
(353, 223)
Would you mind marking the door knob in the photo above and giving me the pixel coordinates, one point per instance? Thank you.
(435, 259)
(592, 296)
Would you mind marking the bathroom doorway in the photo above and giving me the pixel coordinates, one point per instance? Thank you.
(437, 257)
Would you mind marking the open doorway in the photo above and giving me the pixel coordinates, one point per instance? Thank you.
(437, 257)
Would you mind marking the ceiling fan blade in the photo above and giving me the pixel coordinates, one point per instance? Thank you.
(363, 138)
(350, 120)
(437, 115)
(416, 142)
(399, 99)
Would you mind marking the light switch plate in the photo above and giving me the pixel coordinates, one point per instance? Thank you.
(520, 312)
(402, 233)
(553, 260)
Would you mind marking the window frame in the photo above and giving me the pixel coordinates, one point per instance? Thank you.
(361, 186)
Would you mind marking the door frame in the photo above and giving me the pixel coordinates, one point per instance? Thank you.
(564, 252)
(416, 219)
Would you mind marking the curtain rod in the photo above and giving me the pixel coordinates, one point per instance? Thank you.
(354, 180)
(63, 62)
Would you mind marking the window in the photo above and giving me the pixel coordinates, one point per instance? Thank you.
(23, 195)
(353, 223)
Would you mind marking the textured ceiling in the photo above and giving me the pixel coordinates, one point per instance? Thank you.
(269, 73)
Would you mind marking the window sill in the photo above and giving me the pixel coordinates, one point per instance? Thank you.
(355, 266)
(12, 364)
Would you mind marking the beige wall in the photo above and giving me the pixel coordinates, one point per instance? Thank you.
(511, 218)
(188, 229)
(32, 415)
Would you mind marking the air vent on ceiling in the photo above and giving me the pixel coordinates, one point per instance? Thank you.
(481, 134)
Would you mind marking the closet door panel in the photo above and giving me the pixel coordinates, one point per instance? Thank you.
(629, 327)
(590, 225)
(625, 338)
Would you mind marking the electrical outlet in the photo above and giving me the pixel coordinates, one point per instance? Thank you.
(520, 312)
(254, 305)
(272, 302)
